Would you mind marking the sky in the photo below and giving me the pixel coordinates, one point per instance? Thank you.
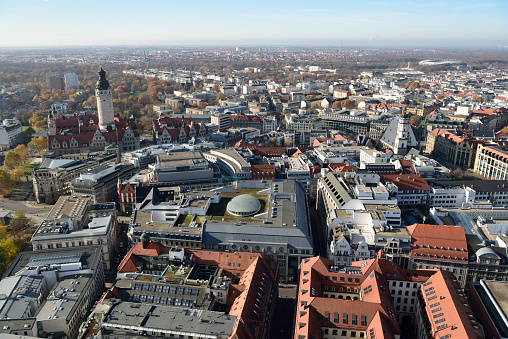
(463, 23)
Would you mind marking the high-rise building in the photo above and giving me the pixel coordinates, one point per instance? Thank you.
(54, 81)
(71, 80)
(104, 96)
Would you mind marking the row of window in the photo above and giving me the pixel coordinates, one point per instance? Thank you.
(344, 333)
(345, 319)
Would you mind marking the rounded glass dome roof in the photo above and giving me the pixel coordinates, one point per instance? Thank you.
(244, 205)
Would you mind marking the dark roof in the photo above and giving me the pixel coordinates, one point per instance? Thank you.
(102, 83)
(478, 185)
(483, 134)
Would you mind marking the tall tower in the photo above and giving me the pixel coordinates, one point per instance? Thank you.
(51, 121)
(405, 136)
(104, 102)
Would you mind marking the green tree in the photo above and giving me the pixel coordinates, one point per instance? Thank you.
(415, 120)
(19, 222)
(12, 160)
(3, 231)
(23, 151)
(5, 183)
(36, 117)
(8, 250)
(38, 145)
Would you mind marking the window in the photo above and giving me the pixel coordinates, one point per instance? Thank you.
(327, 316)
(344, 318)
(363, 320)
(353, 319)
(336, 318)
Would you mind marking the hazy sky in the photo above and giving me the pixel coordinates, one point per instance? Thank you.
(253, 22)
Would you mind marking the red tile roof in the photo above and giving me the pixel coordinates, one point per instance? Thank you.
(258, 276)
(438, 242)
(250, 117)
(334, 167)
(128, 263)
(407, 182)
(450, 316)
(312, 306)
(269, 151)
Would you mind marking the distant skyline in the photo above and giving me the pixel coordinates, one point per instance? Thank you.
(39, 23)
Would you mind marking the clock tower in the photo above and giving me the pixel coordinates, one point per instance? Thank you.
(104, 97)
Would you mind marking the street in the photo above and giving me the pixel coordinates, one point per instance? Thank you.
(283, 320)
(317, 233)
(35, 212)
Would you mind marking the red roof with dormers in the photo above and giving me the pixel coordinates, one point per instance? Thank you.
(449, 312)
(245, 145)
(334, 167)
(174, 125)
(482, 111)
(269, 151)
(313, 307)
(250, 117)
(87, 121)
(407, 182)
(254, 277)
(87, 131)
(495, 152)
(265, 169)
(438, 242)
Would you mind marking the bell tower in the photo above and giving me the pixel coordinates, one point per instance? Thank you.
(404, 138)
(104, 102)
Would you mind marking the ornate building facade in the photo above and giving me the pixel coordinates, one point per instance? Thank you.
(89, 132)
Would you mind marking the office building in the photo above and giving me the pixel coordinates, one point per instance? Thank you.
(71, 81)
(55, 81)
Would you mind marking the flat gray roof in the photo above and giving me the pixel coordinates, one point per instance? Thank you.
(89, 258)
(64, 297)
(19, 293)
(131, 316)
(9, 326)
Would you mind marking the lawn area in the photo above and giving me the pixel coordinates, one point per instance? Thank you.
(219, 212)
(184, 219)
(30, 168)
(24, 128)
